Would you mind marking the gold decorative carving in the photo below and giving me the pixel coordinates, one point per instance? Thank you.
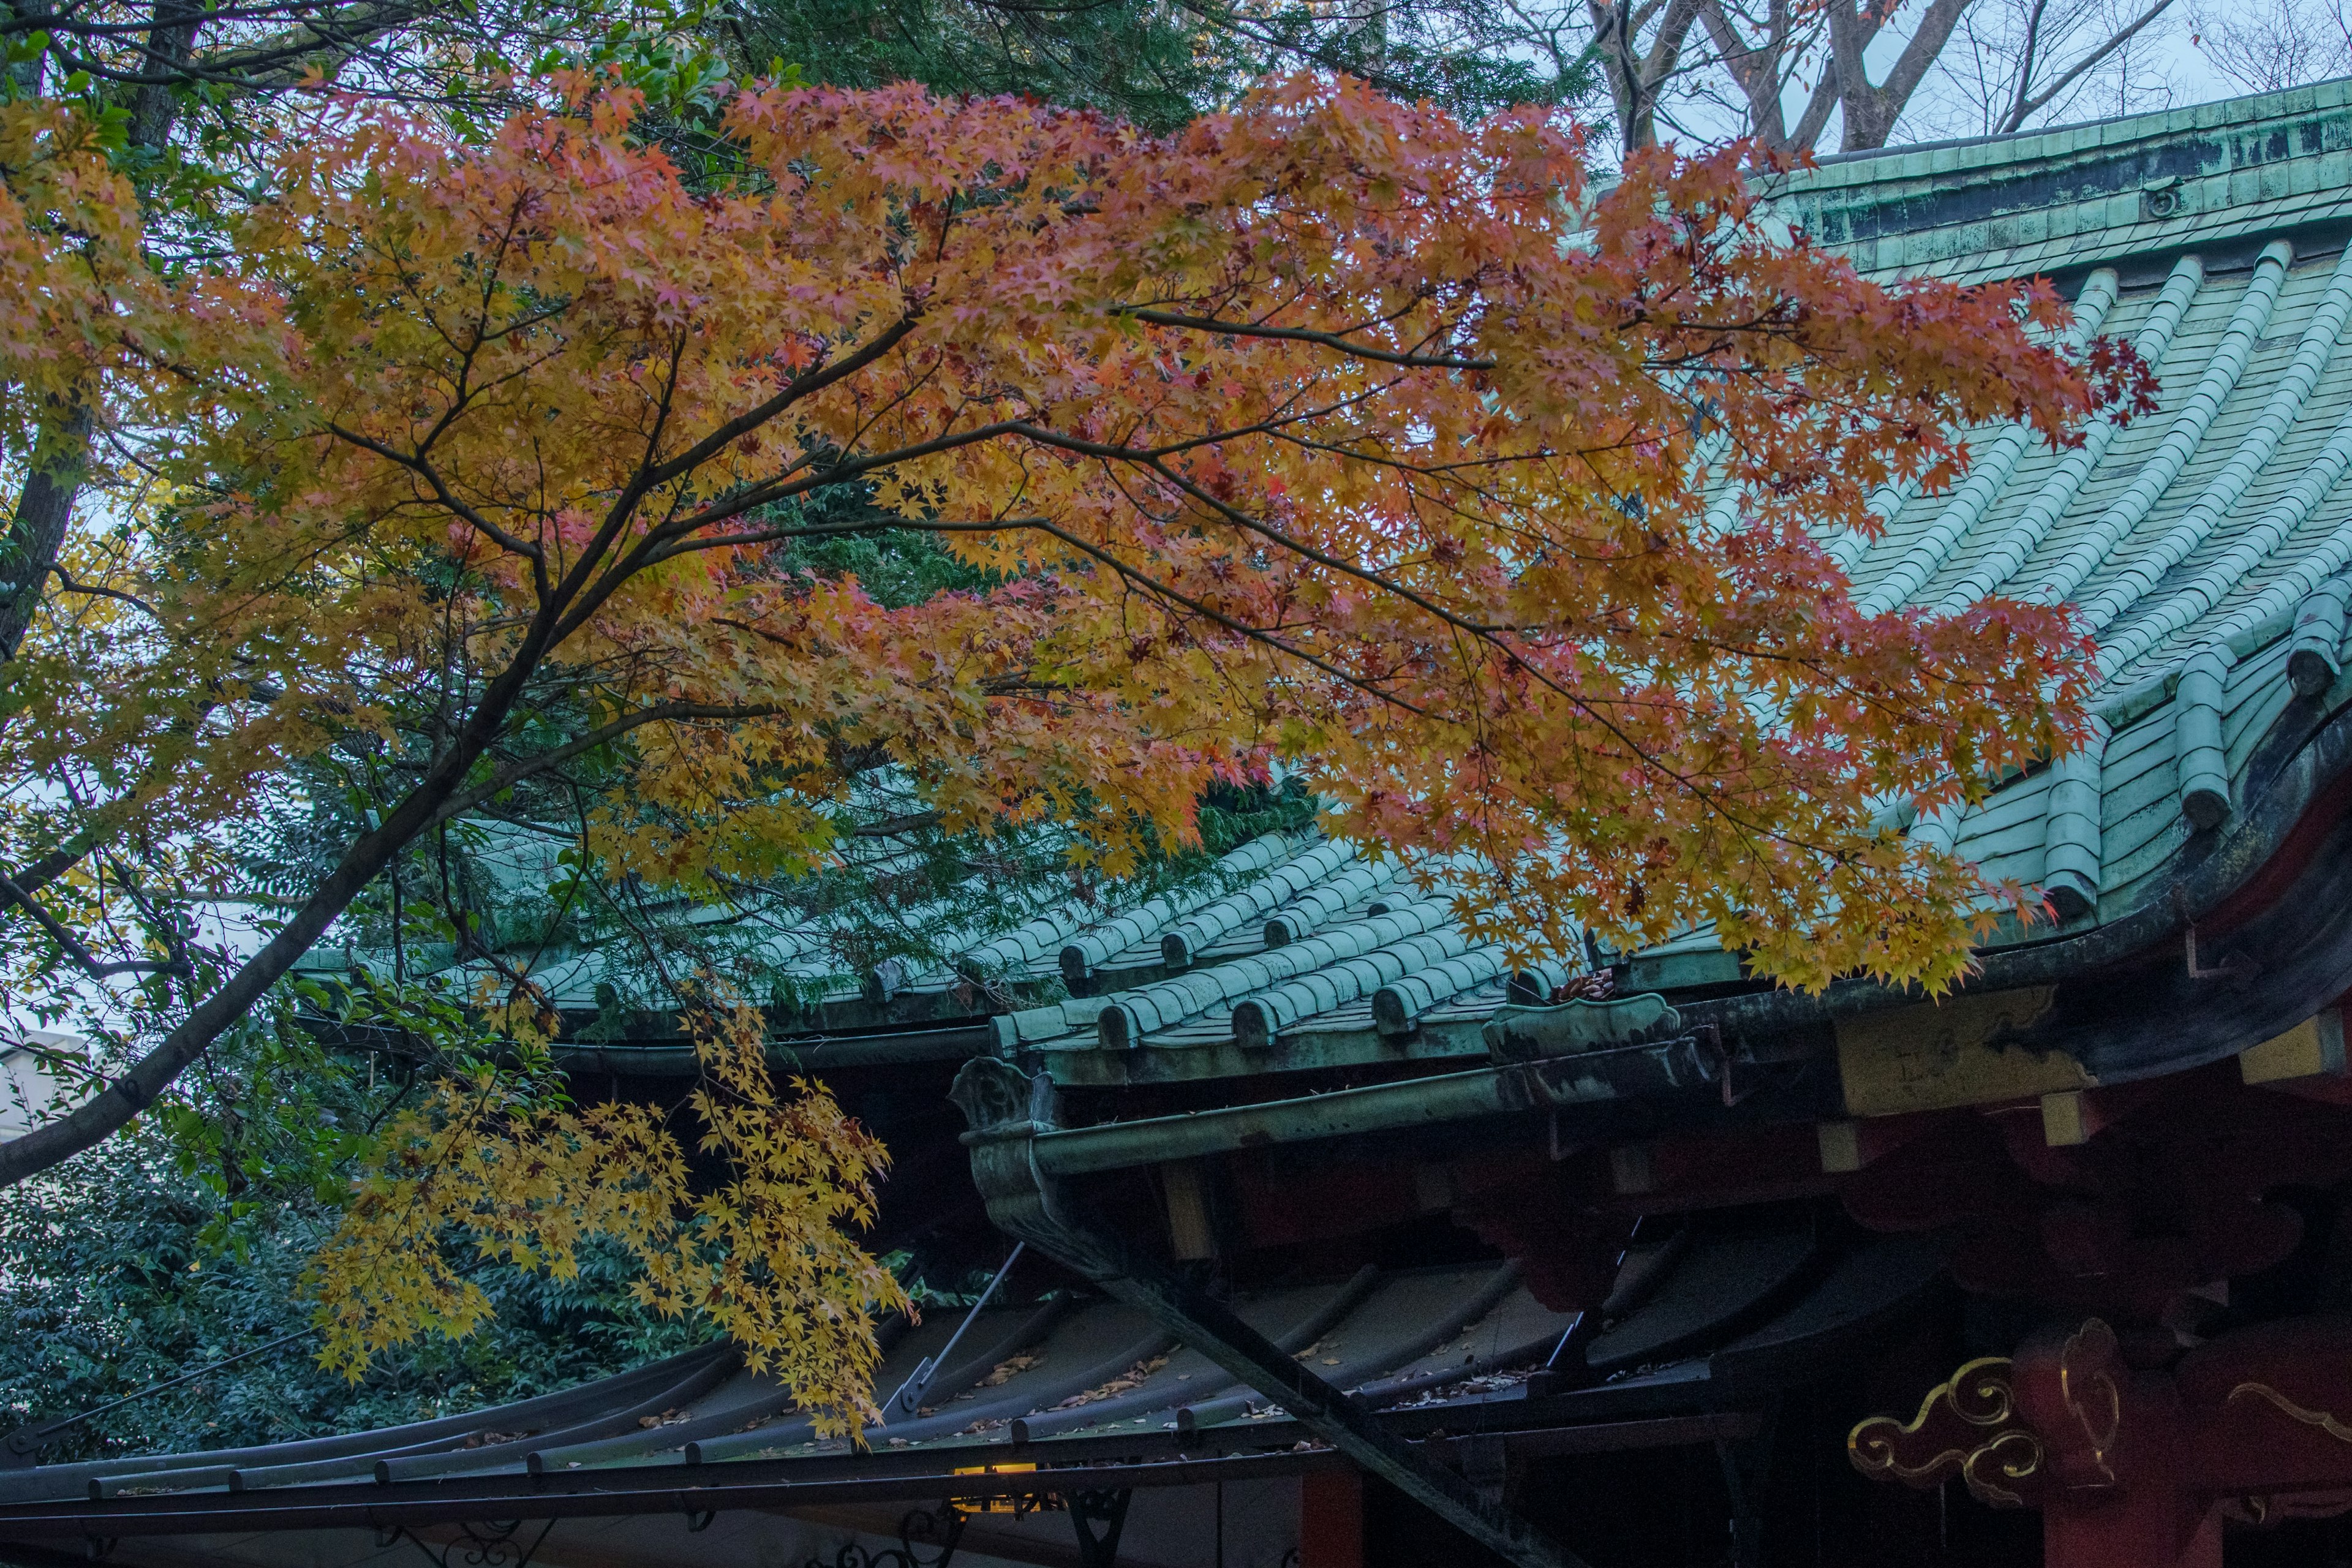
(1965, 1427)
(2086, 1382)
(2269, 1510)
(2320, 1419)
(2015, 1456)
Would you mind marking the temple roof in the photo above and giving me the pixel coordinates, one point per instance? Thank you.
(1708, 1323)
(2070, 197)
(2206, 544)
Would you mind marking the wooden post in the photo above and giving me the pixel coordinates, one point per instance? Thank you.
(2149, 1527)
(1331, 1520)
(1190, 1235)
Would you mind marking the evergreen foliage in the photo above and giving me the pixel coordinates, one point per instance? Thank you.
(183, 1242)
(1159, 62)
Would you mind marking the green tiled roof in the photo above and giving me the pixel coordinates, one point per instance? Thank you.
(2208, 545)
(2191, 539)
(2076, 196)
(2205, 546)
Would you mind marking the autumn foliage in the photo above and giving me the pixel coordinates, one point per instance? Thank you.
(513, 1175)
(1328, 429)
(69, 244)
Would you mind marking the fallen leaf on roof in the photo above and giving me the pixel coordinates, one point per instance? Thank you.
(1006, 1370)
(1132, 1377)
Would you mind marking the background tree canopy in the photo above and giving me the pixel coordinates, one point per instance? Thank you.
(186, 1244)
(1159, 62)
(222, 691)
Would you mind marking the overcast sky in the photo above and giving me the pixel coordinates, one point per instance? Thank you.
(2161, 68)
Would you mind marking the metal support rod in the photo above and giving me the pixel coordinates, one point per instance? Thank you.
(1212, 1329)
(21, 1447)
(908, 1400)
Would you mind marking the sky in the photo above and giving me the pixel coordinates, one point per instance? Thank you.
(2162, 67)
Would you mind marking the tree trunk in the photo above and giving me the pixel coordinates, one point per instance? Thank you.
(1637, 77)
(27, 74)
(1755, 69)
(171, 46)
(38, 529)
(1870, 111)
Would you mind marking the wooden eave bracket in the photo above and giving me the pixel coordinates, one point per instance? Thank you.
(2236, 967)
(1007, 1110)
(2313, 1052)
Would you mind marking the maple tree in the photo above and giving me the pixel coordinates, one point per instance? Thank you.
(1329, 429)
(529, 1179)
(179, 94)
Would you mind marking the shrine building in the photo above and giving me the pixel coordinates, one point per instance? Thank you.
(1346, 1241)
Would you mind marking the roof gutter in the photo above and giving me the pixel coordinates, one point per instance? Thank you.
(2270, 893)
(1140, 1460)
(1584, 1079)
(810, 1053)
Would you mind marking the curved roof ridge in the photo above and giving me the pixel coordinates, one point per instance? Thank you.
(2012, 146)
(2182, 439)
(2015, 544)
(2280, 411)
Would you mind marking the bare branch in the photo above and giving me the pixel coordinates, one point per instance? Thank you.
(2084, 64)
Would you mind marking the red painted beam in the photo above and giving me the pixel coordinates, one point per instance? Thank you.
(1331, 1520)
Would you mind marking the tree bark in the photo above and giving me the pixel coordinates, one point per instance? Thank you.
(37, 529)
(1870, 111)
(28, 14)
(171, 46)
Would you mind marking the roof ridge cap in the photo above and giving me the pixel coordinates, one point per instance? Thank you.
(2021, 146)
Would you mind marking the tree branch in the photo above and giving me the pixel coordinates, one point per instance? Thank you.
(1302, 335)
(71, 945)
(2093, 59)
(506, 778)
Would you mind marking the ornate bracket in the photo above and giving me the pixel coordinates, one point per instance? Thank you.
(493, 1543)
(2072, 1390)
(1099, 1517)
(2255, 1422)
(1966, 1426)
(2014, 1431)
(925, 1539)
